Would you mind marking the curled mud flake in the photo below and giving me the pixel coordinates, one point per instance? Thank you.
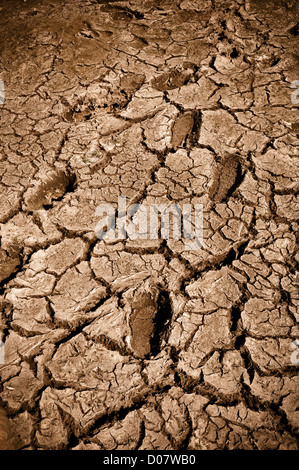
(52, 188)
(181, 129)
(226, 178)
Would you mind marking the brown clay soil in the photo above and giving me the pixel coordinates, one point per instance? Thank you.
(140, 344)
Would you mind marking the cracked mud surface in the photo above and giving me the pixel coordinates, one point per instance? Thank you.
(138, 344)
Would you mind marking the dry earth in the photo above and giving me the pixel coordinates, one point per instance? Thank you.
(139, 344)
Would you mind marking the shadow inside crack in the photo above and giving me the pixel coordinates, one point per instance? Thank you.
(161, 322)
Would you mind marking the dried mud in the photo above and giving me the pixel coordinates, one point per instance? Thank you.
(138, 344)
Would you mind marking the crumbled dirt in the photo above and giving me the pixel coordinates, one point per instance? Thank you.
(141, 344)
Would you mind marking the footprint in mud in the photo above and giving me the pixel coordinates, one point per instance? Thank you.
(113, 98)
(227, 177)
(181, 129)
(78, 115)
(55, 185)
(175, 78)
(142, 320)
(150, 314)
(119, 13)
